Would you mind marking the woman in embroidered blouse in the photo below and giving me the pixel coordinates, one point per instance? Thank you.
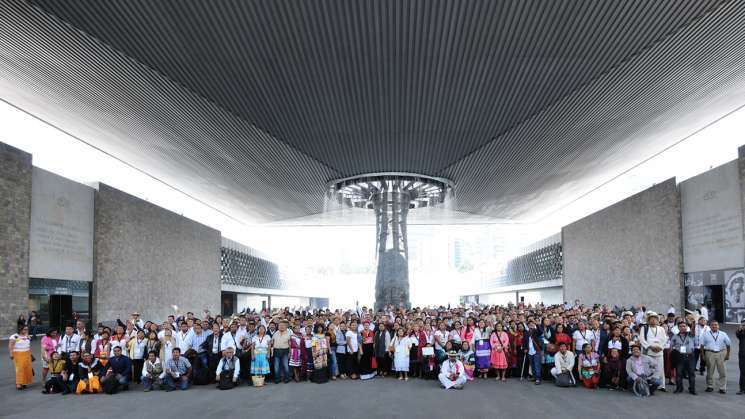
(320, 345)
(401, 348)
(483, 349)
(260, 345)
(468, 330)
(19, 348)
(120, 339)
(517, 361)
(562, 337)
(102, 345)
(296, 352)
(367, 352)
(468, 358)
(589, 367)
(499, 342)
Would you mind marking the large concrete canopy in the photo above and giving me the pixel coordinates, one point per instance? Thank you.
(253, 106)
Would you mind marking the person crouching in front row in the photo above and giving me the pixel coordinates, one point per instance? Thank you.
(119, 372)
(452, 373)
(178, 370)
(89, 371)
(642, 369)
(152, 372)
(228, 370)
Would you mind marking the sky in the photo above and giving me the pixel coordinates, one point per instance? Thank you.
(336, 254)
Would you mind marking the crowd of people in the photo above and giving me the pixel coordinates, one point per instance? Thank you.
(569, 344)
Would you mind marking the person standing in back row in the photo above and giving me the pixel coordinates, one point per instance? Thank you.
(716, 345)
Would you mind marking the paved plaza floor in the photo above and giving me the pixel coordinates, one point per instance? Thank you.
(378, 398)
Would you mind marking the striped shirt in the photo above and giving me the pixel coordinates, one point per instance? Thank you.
(198, 340)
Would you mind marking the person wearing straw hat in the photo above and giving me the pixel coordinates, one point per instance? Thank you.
(452, 373)
(653, 339)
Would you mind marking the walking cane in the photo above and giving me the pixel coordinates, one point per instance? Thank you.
(522, 367)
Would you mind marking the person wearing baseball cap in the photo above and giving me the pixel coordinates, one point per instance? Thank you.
(452, 373)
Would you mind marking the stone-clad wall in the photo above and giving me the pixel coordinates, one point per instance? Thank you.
(15, 224)
(147, 259)
(629, 253)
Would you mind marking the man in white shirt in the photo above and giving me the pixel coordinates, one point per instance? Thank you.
(653, 339)
(231, 339)
(68, 342)
(228, 370)
(184, 338)
(563, 362)
(701, 329)
(452, 373)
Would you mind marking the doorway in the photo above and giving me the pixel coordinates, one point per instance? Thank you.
(60, 311)
(714, 301)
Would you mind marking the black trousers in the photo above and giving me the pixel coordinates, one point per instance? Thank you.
(686, 363)
(384, 363)
(741, 359)
(341, 363)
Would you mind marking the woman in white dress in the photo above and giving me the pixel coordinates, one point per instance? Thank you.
(400, 346)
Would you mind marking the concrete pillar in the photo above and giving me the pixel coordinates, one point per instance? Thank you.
(15, 226)
(741, 169)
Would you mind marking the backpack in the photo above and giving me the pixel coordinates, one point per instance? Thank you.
(641, 388)
(565, 379)
(202, 377)
(226, 380)
(111, 385)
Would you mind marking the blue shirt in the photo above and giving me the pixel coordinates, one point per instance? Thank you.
(198, 340)
(715, 341)
(121, 365)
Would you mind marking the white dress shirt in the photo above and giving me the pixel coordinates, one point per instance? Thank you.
(69, 343)
(230, 341)
(184, 340)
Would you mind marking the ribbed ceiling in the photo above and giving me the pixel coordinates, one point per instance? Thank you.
(525, 105)
(393, 85)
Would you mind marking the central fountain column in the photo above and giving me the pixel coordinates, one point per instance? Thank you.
(391, 196)
(391, 206)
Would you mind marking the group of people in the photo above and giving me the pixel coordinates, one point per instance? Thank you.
(569, 344)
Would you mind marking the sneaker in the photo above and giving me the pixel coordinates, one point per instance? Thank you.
(709, 389)
(722, 392)
(148, 390)
(537, 382)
